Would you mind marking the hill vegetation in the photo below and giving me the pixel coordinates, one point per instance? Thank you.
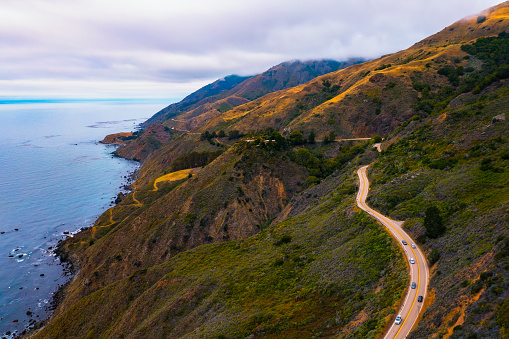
(265, 241)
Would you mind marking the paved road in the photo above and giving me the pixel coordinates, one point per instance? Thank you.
(353, 139)
(419, 272)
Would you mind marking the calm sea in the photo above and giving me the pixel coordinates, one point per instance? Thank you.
(54, 177)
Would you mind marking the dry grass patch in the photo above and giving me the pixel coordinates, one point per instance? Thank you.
(174, 176)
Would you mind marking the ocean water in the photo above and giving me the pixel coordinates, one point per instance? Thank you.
(54, 178)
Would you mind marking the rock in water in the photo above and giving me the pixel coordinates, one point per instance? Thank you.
(119, 198)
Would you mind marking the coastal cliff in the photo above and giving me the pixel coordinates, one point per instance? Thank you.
(265, 240)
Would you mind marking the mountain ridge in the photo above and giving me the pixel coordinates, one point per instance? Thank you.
(303, 260)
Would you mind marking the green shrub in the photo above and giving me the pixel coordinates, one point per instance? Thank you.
(443, 163)
(194, 159)
(285, 239)
(433, 256)
(433, 223)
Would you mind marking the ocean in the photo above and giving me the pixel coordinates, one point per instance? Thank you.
(55, 179)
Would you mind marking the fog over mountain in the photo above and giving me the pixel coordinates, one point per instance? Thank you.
(166, 49)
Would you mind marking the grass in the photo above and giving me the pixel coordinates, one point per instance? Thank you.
(175, 176)
(472, 195)
(310, 275)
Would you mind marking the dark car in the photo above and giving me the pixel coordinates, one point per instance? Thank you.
(404, 242)
(419, 299)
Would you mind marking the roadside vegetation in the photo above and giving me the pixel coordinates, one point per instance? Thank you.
(448, 177)
(315, 274)
(265, 241)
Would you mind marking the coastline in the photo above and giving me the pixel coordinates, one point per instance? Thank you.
(117, 139)
(66, 258)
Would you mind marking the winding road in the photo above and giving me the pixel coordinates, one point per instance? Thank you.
(419, 270)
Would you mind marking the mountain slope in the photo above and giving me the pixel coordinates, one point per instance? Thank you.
(266, 241)
(371, 98)
(287, 74)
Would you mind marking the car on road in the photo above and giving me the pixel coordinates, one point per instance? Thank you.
(398, 320)
(413, 245)
(412, 261)
(419, 299)
(413, 285)
(404, 242)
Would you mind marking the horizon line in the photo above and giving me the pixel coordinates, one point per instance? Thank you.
(6, 101)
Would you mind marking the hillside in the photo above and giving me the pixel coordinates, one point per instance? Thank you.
(233, 90)
(219, 97)
(266, 241)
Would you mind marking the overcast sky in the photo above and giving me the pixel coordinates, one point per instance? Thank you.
(169, 48)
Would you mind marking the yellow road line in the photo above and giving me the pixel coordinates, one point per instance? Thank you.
(388, 221)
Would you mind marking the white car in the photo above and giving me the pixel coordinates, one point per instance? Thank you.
(412, 261)
(398, 320)
(413, 245)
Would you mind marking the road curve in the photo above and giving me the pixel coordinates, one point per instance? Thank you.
(419, 272)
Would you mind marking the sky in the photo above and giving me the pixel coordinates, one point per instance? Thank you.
(170, 48)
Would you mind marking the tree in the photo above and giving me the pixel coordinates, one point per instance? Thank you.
(326, 85)
(329, 138)
(433, 256)
(433, 223)
(312, 137)
(332, 136)
(235, 134)
(296, 138)
(205, 135)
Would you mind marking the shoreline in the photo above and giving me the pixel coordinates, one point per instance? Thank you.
(71, 265)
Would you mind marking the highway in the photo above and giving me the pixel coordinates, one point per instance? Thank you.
(419, 271)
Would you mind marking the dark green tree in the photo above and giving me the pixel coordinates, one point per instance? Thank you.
(235, 134)
(296, 138)
(433, 256)
(433, 223)
(326, 84)
(205, 135)
(312, 137)
(332, 136)
(329, 138)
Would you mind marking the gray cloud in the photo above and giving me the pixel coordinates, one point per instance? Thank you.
(161, 48)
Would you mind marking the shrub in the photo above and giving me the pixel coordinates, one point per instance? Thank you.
(465, 283)
(433, 256)
(312, 137)
(443, 163)
(419, 87)
(194, 159)
(331, 137)
(476, 287)
(285, 239)
(382, 67)
(433, 223)
(296, 138)
(234, 135)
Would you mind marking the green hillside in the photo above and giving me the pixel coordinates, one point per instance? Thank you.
(266, 241)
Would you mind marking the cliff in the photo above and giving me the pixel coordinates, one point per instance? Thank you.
(266, 241)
